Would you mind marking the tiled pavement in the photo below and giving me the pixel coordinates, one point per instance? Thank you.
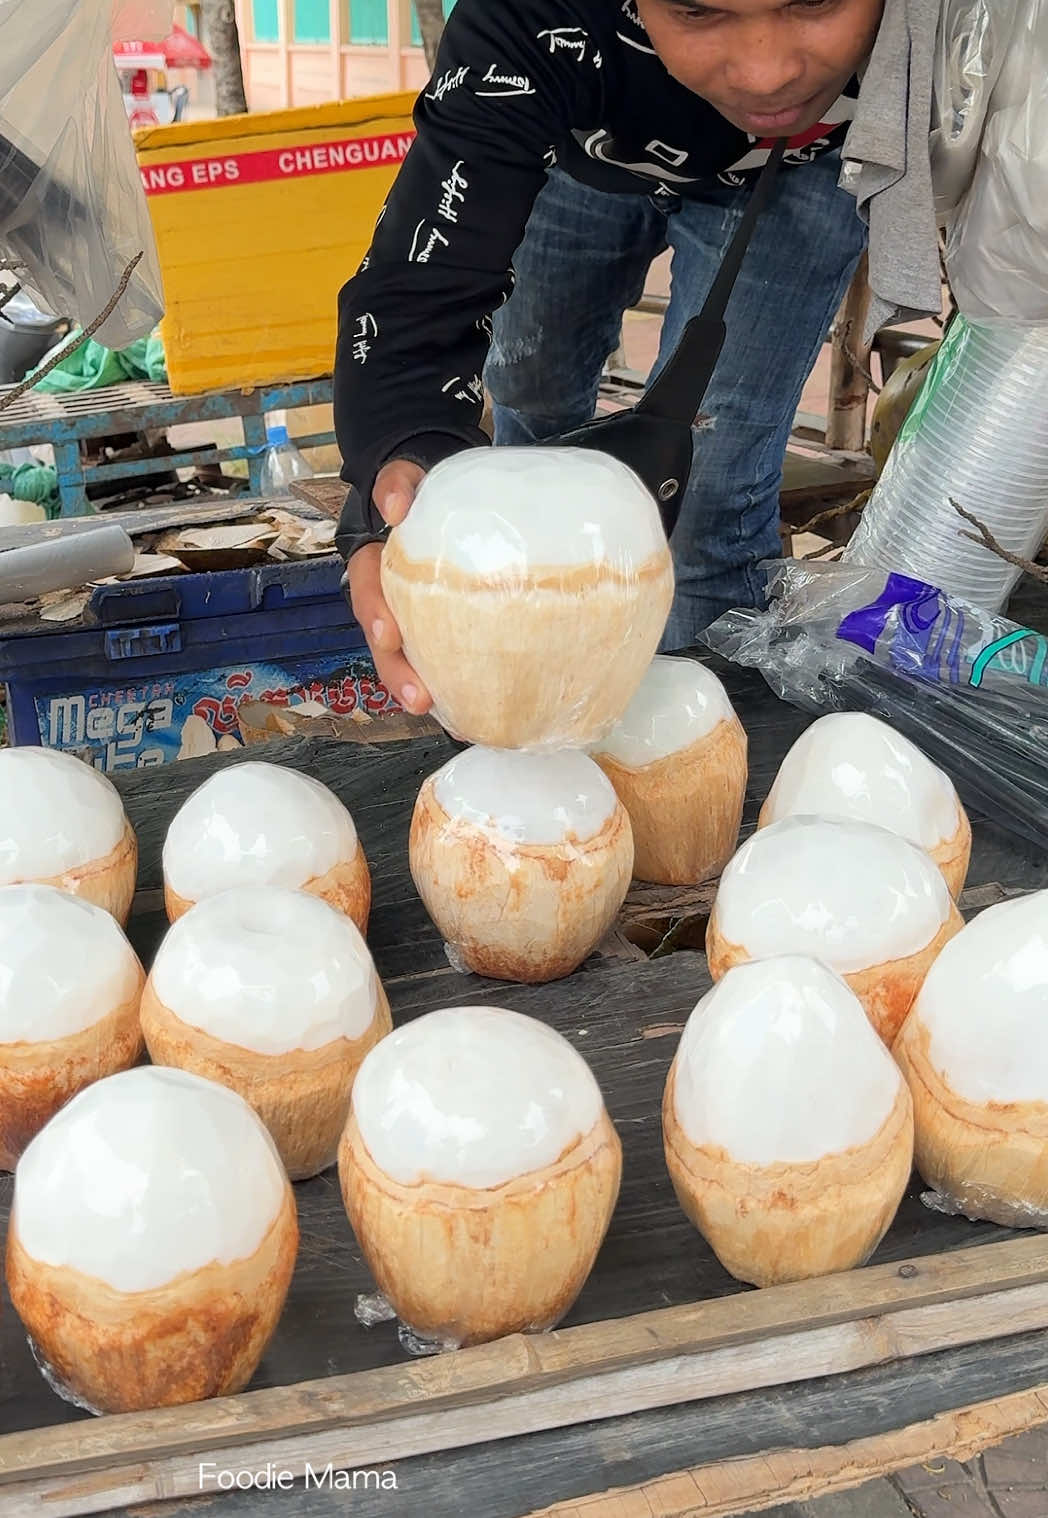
(1010, 1481)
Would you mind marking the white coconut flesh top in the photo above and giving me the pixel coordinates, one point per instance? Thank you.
(56, 814)
(847, 893)
(527, 798)
(256, 824)
(498, 511)
(146, 1175)
(64, 965)
(985, 1005)
(269, 970)
(779, 1064)
(473, 1096)
(849, 764)
(679, 702)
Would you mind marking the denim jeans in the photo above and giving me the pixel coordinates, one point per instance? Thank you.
(583, 262)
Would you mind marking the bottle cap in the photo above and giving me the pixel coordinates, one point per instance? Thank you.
(277, 435)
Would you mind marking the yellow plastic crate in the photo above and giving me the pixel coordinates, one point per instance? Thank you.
(259, 220)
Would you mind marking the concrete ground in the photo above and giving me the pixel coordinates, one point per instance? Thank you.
(1010, 1481)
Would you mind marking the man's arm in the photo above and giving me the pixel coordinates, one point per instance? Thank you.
(414, 323)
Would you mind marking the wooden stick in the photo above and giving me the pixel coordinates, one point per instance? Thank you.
(760, 1323)
(752, 1482)
(8, 397)
(356, 1440)
(987, 539)
(850, 381)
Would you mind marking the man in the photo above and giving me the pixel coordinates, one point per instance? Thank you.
(575, 140)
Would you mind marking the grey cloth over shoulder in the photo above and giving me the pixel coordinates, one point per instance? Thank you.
(887, 165)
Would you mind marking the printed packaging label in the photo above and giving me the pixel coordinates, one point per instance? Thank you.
(137, 725)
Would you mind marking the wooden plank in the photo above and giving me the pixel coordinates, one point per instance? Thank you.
(797, 1475)
(814, 1420)
(381, 1417)
(996, 1279)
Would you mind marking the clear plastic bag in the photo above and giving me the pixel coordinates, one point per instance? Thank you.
(970, 49)
(72, 209)
(969, 688)
(996, 235)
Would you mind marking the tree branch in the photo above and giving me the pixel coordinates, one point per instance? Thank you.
(984, 536)
(8, 397)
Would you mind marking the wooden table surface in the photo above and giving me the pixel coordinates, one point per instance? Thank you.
(625, 1017)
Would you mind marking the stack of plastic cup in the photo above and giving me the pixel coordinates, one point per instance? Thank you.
(978, 435)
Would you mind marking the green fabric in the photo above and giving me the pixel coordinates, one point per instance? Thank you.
(90, 367)
(31, 482)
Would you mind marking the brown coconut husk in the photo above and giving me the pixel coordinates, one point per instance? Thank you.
(108, 883)
(465, 1266)
(533, 919)
(347, 887)
(200, 1335)
(990, 1160)
(302, 1096)
(886, 991)
(685, 809)
(38, 1079)
(768, 1224)
(511, 661)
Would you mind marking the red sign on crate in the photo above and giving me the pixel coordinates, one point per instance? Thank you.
(228, 169)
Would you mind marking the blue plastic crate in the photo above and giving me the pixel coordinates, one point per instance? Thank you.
(117, 686)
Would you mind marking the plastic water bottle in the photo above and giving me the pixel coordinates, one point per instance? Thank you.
(282, 463)
(977, 434)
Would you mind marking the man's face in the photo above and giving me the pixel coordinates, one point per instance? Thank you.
(772, 67)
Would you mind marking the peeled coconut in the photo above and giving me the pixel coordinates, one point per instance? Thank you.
(677, 760)
(849, 764)
(70, 986)
(63, 824)
(975, 1052)
(479, 1170)
(788, 1128)
(152, 1240)
(531, 587)
(522, 860)
(262, 824)
(273, 993)
(864, 901)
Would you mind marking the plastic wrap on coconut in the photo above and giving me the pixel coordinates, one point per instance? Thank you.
(70, 986)
(63, 824)
(864, 901)
(262, 824)
(152, 1241)
(522, 860)
(531, 587)
(849, 764)
(479, 1170)
(788, 1127)
(975, 1052)
(677, 759)
(274, 994)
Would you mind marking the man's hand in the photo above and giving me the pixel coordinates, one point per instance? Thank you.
(393, 494)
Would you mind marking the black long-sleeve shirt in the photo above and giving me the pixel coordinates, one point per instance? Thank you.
(518, 86)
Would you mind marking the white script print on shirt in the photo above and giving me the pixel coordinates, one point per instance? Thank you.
(367, 331)
(506, 84)
(566, 39)
(471, 391)
(426, 241)
(629, 10)
(448, 82)
(453, 193)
